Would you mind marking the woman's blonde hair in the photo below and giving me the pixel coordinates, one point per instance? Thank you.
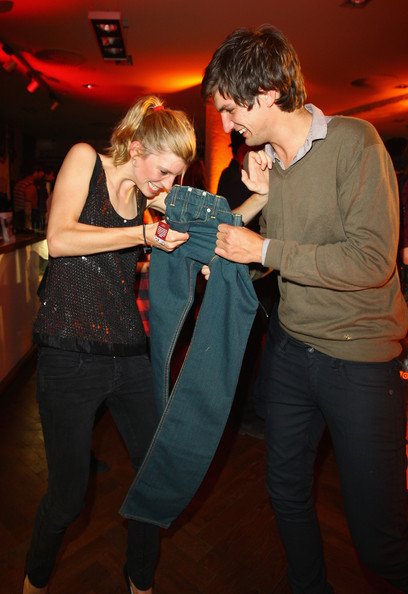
(157, 128)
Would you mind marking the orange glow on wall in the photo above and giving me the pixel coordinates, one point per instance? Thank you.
(181, 81)
(217, 152)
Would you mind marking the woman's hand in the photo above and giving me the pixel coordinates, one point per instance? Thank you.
(256, 180)
(257, 177)
(206, 271)
(173, 238)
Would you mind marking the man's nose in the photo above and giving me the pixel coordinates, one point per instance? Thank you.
(227, 123)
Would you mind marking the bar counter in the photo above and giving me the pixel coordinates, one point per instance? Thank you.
(22, 264)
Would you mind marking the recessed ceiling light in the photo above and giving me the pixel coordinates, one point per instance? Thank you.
(355, 3)
(89, 85)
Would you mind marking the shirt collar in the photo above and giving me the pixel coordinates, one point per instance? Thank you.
(317, 131)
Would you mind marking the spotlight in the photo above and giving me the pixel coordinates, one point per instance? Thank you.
(32, 85)
(10, 65)
(55, 102)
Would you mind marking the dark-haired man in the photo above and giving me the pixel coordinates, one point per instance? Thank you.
(330, 229)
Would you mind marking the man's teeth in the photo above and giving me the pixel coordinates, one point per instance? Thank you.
(242, 130)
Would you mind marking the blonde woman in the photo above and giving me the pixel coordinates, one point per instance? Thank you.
(92, 346)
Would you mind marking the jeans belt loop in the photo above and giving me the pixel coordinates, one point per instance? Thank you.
(173, 193)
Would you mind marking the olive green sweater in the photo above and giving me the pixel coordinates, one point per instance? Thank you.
(333, 220)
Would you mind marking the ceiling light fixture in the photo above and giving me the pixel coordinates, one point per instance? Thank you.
(356, 3)
(33, 84)
(35, 77)
(55, 102)
(108, 31)
(10, 65)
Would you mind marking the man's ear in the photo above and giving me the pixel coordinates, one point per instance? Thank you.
(271, 97)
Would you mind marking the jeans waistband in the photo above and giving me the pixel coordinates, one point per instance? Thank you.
(194, 204)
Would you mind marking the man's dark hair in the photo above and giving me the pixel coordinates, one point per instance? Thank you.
(249, 62)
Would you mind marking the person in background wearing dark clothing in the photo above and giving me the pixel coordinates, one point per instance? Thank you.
(44, 191)
(25, 199)
(230, 184)
(195, 176)
(403, 246)
(398, 151)
(92, 346)
(330, 230)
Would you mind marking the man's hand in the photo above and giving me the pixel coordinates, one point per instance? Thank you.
(239, 244)
(257, 178)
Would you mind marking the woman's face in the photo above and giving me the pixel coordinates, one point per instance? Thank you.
(155, 172)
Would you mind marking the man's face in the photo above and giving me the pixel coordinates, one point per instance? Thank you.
(250, 123)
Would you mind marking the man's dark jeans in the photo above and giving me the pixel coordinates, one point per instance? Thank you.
(196, 410)
(363, 406)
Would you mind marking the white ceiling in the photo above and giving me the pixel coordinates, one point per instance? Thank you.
(171, 41)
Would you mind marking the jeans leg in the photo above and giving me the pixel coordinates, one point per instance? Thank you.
(294, 427)
(365, 407)
(195, 412)
(197, 409)
(172, 283)
(68, 396)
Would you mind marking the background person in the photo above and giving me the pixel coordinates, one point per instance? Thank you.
(25, 199)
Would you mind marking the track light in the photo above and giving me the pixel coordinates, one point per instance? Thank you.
(32, 85)
(10, 65)
(35, 77)
(55, 102)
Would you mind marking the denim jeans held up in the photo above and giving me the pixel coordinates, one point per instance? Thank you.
(195, 412)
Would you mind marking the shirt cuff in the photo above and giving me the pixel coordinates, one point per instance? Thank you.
(264, 250)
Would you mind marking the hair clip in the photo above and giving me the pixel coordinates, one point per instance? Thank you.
(158, 107)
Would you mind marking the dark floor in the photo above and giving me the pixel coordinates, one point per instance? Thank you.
(225, 542)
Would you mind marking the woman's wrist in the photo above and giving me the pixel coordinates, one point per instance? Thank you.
(146, 248)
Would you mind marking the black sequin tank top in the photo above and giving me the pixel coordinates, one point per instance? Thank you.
(88, 302)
